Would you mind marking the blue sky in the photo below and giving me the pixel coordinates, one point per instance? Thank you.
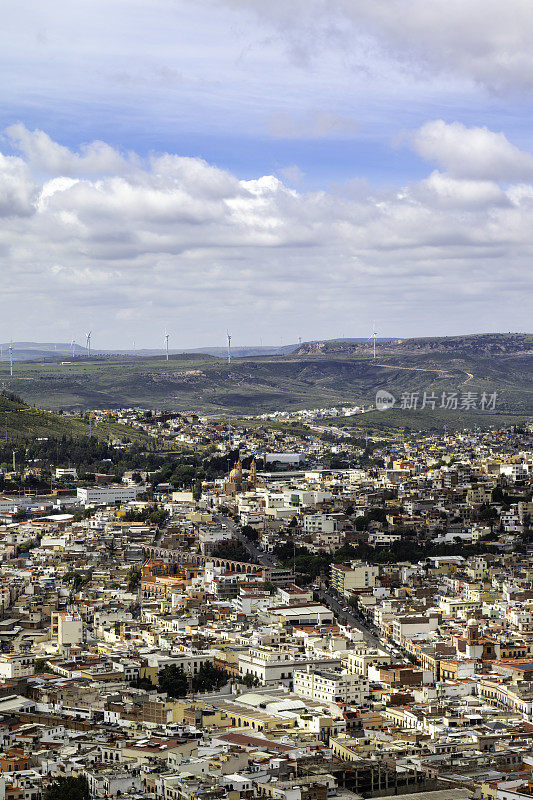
(284, 169)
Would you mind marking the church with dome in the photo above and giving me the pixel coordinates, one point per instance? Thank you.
(236, 482)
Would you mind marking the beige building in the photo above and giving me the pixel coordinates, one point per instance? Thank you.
(67, 628)
(345, 579)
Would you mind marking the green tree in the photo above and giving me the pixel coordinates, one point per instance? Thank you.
(250, 680)
(250, 533)
(68, 789)
(173, 681)
(197, 490)
(76, 579)
(232, 550)
(208, 678)
(134, 578)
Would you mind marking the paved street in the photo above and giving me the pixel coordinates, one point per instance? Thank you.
(265, 559)
(347, 617)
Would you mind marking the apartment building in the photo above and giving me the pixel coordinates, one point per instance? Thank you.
(345, 579)
(331, 686)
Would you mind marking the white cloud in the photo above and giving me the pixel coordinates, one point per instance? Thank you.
(41, 152)
(487, 41)
(175, 241)
(444, 190)
(474, 152)
(18, 191)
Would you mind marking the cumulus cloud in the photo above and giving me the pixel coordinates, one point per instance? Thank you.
(41, 152)
(474, 152)
(176, 241)
(18, 191)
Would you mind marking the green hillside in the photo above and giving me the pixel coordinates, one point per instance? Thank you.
(20, 423)
(309, 378)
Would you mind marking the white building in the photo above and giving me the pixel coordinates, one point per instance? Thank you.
(515, 472)
(322, 523)
(331, 686)
(109, 494)
(16, 665)
(274, 666)
(309, 614)
(66, 472)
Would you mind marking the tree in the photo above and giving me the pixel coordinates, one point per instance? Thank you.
(142, 683)
(250, 680)
(208, 678)
(68, 789)
(232, 550)
(197, 490)
(77, 579)
(25, 547)
(173, 681)
(134, 578)
(250, 533)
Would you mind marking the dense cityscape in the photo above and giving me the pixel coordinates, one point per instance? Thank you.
(276, 610)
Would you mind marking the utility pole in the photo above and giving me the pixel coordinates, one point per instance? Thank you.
(14, 464)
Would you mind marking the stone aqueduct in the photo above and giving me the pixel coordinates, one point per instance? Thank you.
(181, 556)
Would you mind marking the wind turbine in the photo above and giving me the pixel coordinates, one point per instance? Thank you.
(72, 345)
(229, 347)
(374, 334)
(166, 342)
(88, 345)
(11, 357)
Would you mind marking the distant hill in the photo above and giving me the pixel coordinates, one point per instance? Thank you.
(481, 344)
(322, 374)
